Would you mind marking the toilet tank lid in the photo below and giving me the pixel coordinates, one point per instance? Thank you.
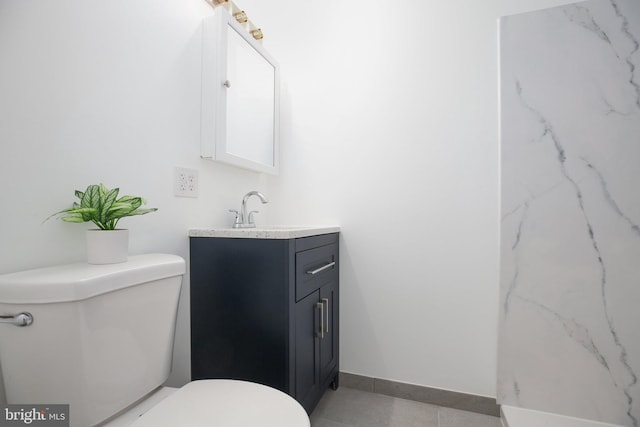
(75, 282)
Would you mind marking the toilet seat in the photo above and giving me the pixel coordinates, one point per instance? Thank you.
(225, 403)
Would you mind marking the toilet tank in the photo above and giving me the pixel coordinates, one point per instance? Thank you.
(101, 337)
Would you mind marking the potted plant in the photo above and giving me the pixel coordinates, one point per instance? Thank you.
(106, 244)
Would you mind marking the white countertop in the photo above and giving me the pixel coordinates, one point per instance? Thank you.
(264, 232)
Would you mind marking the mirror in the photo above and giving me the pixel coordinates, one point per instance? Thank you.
(240, 97)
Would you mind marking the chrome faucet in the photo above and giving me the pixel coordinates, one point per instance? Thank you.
(244, 220)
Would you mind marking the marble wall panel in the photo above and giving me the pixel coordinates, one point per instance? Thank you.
(570, 200)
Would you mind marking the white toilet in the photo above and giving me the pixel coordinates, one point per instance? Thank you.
(100, 339)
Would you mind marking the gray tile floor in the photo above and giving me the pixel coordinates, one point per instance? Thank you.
(347, 407)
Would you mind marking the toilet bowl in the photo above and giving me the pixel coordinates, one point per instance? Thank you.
(100, 339)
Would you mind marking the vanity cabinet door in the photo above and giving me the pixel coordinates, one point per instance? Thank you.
(308, 312)
(316, 344)
(329, 339)
(240, 310)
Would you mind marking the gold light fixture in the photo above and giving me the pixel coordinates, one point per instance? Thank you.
(240, 16)
(257, 34)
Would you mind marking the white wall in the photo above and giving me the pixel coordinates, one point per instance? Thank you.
(105, 92)
(389, 129)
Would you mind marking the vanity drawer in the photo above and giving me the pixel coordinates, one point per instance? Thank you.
(315, 268)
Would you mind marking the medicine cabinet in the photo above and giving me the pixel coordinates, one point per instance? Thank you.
(240, 97)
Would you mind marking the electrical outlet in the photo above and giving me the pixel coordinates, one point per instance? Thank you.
(185, 182)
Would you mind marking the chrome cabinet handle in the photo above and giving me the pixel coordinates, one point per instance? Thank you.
(325, 301)
(21, 319)
(321, 269)
(320, 333)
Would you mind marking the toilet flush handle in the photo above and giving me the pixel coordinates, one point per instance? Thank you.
(22, 319)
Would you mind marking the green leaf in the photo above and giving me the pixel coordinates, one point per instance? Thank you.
(134, 202)
(92, 195)
(142, 211)
(109, 200)
(119, 208)
(73, 212)
(73, 217)
(82, 210)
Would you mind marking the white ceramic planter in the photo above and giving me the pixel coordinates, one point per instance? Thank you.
(107, 246)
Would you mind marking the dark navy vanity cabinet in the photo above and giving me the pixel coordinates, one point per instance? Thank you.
(267, 311)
